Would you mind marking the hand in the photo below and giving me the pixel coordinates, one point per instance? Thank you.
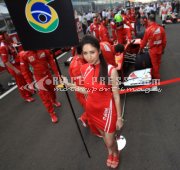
(31, 86)
(59, 78)
(140, 51)
(128, 41)
(64, 80)
(115, 42)
(17, 72)
(119, 124)
(132, 33)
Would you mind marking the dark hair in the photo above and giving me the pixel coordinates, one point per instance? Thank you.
(144, 17)
(152, 17)
(104, 18)
(88, 39)
(119, 48)
(122, 12)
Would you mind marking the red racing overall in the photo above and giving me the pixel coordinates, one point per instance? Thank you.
(20, 81)
(40, 61)
(156, 38)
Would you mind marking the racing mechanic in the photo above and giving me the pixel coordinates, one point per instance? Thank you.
(13, 67)
(113, 30)
(144, 21)
(94, 28)
(103, 31)
(155, 37)
(123, 34)
(164, 12)
(76, 77)
(40, 60)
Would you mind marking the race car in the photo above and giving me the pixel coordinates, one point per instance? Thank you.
(172, 18)
(136, 68)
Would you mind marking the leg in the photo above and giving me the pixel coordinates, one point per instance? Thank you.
(84, 119)
(81, 98)
(156, 61)
(21, 83)
(111, 144)
(120, 37)
(51, 89)
(45, 96)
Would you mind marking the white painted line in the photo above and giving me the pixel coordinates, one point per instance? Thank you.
(61, 55)
(9, 91)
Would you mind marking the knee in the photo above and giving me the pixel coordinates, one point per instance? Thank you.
(109, 143)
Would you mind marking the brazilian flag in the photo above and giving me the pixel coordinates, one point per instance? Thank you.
(43, 24)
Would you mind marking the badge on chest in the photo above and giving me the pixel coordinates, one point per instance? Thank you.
(31, 58)
(42, 55)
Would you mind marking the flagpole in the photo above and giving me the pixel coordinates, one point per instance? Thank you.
(72, 109)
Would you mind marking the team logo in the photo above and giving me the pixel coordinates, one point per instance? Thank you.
(41, 16)
(31, 59)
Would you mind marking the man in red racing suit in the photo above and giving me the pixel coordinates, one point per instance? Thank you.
(113, 30)
(123, 33)
(14, 69)
(155, 37)
(103, 31)
(76, 77)
(94, 28)
(40, 60)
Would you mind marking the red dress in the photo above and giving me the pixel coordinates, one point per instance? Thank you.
(100, 105)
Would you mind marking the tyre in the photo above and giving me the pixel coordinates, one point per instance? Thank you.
(142, 61)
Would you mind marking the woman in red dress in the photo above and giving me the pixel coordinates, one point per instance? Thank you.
(103, 106)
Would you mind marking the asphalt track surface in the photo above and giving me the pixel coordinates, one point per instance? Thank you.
(29, 141)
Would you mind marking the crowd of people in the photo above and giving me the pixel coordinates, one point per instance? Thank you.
(93, 68)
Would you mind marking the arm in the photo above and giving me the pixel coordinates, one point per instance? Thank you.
(74, 87)
(145, 40)
(127, 22)
(52, 63)
(106, 35)
(9, 65)
(24, 66)
(4, 55)
(116, 96)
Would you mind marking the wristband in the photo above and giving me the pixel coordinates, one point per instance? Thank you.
(120, 118)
